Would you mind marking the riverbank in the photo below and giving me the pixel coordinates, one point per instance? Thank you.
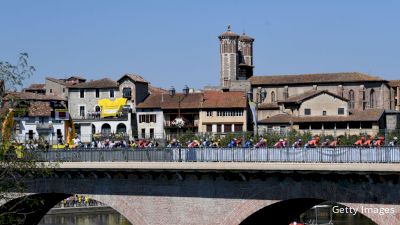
(80, 210)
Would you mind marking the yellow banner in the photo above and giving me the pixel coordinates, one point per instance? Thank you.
(111, 108)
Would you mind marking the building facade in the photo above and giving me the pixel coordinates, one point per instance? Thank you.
(85, 107)
(35, 117)
(223, 112)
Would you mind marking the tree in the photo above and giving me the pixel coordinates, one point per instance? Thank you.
(14, 171)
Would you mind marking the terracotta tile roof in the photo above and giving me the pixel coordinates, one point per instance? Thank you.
(134, 77)
(102, 83)
(313, 78)
(268, 106)
(365, 115)
(36, 87)
(310, 94)
(165, 101)
(219, 99)
(39, 109)
(394, 83)
(157, 90)
(34, 96)
(58, 81)
(76, 78)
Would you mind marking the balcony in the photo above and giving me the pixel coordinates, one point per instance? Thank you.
(44, 126)
(187, 123)
(95, 116)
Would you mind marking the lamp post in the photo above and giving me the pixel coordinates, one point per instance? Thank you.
(261, 95)
(180, 99)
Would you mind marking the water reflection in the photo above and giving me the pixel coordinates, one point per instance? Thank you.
(89, 218)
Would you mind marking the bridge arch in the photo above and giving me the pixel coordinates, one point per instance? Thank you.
(30, 209)
(285, 212)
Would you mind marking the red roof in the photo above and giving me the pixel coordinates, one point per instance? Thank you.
(314, 78)
(208, 99)
(134, 77)
(165, 101)
(39, 109)
(219, 99)
(33, 96)
(102, 83)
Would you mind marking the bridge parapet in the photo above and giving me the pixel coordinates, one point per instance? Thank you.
(297, 155)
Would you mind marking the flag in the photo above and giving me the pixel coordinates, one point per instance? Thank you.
(253, 111)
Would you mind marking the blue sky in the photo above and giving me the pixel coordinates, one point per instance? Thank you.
(175, 42)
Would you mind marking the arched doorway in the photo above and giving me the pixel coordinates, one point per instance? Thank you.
(93, 129)
(121, 128)
(106, 129)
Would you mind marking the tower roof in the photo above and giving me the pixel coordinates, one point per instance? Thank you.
(245, 37)
(228, 33)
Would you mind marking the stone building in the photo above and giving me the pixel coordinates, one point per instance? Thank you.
(322, 112)
(84, 106)
(205, 112)
(395, 85)
(59, 87)
(236, 57)
(35, 117)
(368, 99)
(36, 88)
(157, 113)
(223, 112)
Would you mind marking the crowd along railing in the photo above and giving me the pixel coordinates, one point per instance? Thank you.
(292, 155)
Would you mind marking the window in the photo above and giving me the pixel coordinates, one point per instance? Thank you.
(238, 127)
(106, 129)
(228, 128)
(82, 93)
(121, 128)
(127, 92)
(351, 99)
(51, 90)
(340, 111)
(229, 113)
(209, 113)
(324, 113)
(219, 128)
(372, 99)
(112, 93)
(307, 111)
(273, 97)
(97, 93)
(143, 133)
(151, 132)
(149, 118)
(209, 128)
(82, 111)
(30, 134)
(63, 90)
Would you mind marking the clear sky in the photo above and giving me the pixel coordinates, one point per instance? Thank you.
(175, 42)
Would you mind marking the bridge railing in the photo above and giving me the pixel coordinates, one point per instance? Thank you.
(298, 155)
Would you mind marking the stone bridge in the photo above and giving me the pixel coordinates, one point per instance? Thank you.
(220, 192)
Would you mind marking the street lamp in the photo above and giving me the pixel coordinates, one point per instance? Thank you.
(261, 95)
(178, 120)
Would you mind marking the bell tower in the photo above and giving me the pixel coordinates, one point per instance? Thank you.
(245, 69)
(229, 56)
